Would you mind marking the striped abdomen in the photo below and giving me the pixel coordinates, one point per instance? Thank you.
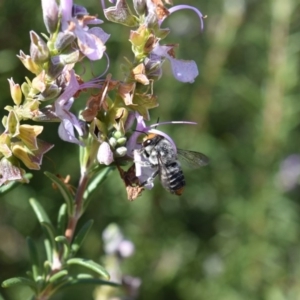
(172, 178)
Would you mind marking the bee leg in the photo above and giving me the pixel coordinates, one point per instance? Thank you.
(143, 163)
(151, 178)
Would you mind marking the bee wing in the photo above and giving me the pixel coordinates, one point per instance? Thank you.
(192, 158)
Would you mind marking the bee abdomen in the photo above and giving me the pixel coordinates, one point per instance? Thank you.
(172, 178)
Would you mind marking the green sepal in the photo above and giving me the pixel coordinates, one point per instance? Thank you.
(62, 219)
(58, 276)
(89, 264)
(95, 182)
(64, 191)
(12, 282)
(13, 184)
(34, 259)
(79, 238)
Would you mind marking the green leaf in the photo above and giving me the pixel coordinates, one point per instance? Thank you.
(79, 238)
(47, 268)
(58, 276)
(39, 211)
(34, 258)
(47, 226)
(66, 246)
(96, 181)
(50, 233)
(62, 219)
(48, 249)
(13, 184)
(12, 282)
(89, 280)
(64, 191)
(89, 264)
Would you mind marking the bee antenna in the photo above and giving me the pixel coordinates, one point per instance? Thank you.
(157, 122)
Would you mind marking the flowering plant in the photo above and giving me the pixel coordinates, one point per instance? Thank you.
(107, 128)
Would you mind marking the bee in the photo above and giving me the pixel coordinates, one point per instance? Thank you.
(158, 154)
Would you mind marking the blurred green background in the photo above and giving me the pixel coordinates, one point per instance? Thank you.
(235, 232)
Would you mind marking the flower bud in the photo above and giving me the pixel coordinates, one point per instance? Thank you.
(151, 20)
(55, 67)
(139, 6)
(50, 15)
(63, 40)
(70, 58)
(113, 142)
(122, 141)
(25, 87)
(121, 151)
(51, 92)
(15, 92)
(118, 134)
(39, 51)
(105, 155)
(12, 124)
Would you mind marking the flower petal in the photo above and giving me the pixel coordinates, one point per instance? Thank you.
(184, 70)
(90, 43)
(66, 132)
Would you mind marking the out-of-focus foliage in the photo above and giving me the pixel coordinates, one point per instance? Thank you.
(234, 234)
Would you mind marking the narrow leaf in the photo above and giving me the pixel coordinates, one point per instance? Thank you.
(92, 187)
(47, 267)
(50, 233)
(76, 281)
(34, 258)
(79, 238)
(39, 211)
(66, 247)
(48, 249)
(62, 219)
(58, 276)
(12, 282)
(89, 264)
(64, 191)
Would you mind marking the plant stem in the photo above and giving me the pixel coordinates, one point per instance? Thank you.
(78, 207)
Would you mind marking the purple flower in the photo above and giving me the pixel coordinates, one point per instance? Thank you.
(183, 70)
(289, 173)
(116, 243)
(90, 40)
(69, 121)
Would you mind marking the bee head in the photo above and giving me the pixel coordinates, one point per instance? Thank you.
(151, 139)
